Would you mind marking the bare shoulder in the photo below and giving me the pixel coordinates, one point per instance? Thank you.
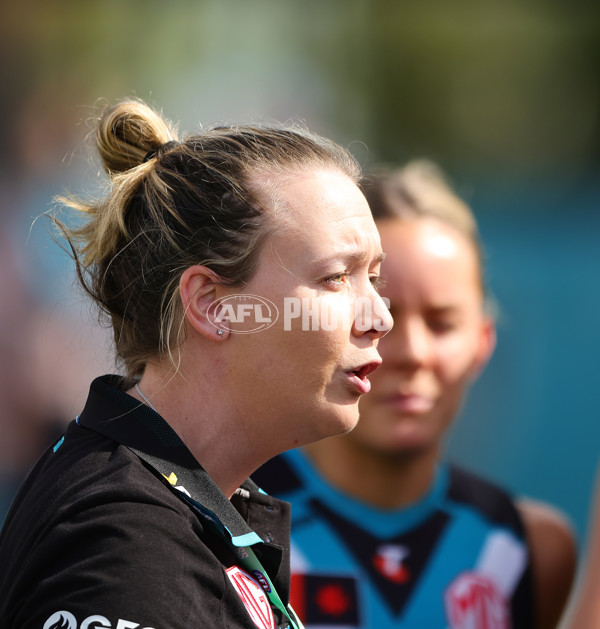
(553, 559)
(549, 528)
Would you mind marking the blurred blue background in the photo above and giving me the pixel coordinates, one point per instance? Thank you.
(505, 97)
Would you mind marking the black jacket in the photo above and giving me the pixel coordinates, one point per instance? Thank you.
(118, 524)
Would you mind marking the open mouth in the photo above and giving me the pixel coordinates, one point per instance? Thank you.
(365, 370)
(359, 376)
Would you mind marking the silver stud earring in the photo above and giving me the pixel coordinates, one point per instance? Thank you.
(220, 332)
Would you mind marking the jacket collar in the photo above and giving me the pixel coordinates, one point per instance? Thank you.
(120, 417)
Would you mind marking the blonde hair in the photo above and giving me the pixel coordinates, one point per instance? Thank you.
(420, 189)
(175, 203)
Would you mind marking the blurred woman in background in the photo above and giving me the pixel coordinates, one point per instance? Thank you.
(385, 533)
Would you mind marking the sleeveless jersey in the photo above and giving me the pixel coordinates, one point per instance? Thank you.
(457, 559)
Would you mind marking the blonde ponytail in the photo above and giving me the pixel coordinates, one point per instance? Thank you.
(127, 132)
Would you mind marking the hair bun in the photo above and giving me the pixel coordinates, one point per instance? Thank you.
(163, 148)
(127, 132)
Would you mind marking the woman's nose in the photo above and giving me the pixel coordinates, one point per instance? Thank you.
(372, 316)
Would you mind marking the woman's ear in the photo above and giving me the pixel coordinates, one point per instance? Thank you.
(487, 345)
(200, 289)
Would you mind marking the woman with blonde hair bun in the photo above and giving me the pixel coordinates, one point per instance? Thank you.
(200, 254)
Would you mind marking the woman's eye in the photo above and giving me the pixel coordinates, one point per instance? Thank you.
(440, 326)
(377, 282)
(337, 279)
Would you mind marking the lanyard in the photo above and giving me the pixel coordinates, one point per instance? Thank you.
(245, 554)
(250, 562)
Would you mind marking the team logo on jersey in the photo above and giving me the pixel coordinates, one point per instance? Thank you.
(391, 568)
(253, 596)
(474, 601)
(389, 559)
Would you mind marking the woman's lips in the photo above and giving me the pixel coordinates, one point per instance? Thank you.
(358, 376)
(409, 404)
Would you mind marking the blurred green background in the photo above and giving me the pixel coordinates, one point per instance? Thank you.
(504, 96)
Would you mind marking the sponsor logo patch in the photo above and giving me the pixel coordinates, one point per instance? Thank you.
(389, 560)
(474, 601)
(66, 620)
(253, 596)
(325, 600)
(61, 620)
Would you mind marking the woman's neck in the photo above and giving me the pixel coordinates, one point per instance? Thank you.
(383, 480)
(209, 426)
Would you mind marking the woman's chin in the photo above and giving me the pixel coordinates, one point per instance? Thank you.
(409, 441)
(344, 420)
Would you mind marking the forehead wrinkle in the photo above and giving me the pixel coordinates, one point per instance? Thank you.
(354, 257)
